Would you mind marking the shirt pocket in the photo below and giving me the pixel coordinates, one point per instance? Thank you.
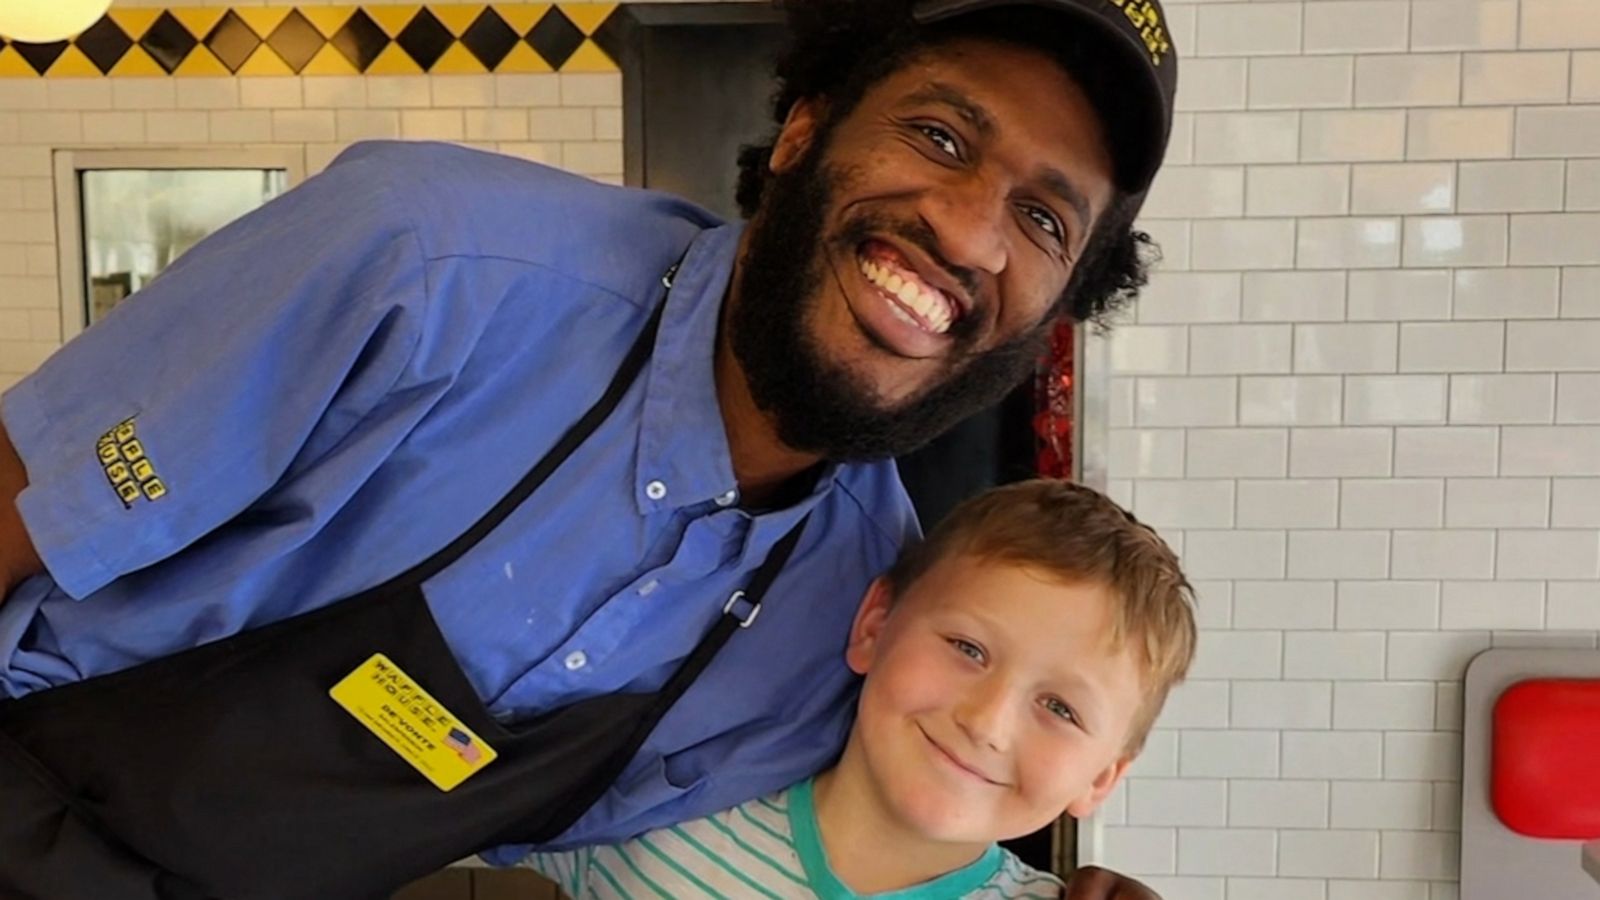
(682, 772)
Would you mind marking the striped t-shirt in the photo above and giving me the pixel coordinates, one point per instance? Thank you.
(767, 848)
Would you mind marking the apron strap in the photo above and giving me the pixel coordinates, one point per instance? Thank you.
(678, 685)
(732, 619)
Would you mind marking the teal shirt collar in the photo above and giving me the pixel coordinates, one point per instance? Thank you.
(808, 844)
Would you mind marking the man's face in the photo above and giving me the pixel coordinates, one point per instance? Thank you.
(994, 700)
(900, 273)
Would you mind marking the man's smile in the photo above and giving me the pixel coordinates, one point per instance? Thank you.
(905, 304)
(918, 287)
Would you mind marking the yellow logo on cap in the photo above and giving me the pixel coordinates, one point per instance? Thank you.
(1146, 18)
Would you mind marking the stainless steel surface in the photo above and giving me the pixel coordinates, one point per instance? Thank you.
(1091, 426)
(1082, 842)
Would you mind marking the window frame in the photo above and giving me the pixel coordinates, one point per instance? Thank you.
(69, 167)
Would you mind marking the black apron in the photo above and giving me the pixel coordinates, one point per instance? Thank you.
(226, 771)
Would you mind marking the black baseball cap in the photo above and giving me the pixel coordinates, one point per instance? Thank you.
(1136, 27)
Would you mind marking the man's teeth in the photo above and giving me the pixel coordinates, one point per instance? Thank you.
(932, 307)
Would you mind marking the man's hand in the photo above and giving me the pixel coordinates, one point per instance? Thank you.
(18, 558)
(1095, 883)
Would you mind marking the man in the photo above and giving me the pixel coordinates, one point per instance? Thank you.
(299, 465)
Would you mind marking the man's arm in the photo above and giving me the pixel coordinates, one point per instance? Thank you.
(260, 349)
(18, 558)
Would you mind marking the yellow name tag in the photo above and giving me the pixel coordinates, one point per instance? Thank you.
(411, 722)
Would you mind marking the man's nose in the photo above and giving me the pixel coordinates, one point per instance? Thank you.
(968, 217)
(987, 714)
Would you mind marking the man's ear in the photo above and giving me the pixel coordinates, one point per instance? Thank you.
(1100, 789)
(867, 630)
(797, 134)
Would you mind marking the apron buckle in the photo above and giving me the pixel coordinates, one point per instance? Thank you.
(747, 618)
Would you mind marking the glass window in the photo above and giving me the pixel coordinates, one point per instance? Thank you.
(137, 221)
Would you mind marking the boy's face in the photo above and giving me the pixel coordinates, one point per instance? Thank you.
(993, 700)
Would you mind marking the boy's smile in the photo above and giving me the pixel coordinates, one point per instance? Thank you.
(951, 758)
(994, 702)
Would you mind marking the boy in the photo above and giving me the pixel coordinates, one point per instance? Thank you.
(1014, 664)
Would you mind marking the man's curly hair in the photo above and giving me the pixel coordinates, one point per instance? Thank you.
(840, 48)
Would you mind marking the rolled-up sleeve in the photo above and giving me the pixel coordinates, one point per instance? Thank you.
(265, 344)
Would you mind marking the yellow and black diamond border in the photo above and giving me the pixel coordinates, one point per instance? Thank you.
(412, 39)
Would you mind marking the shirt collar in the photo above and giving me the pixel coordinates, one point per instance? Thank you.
(684, 458)
(683, 448)
(827, 886)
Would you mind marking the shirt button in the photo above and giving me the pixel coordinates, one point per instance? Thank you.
(649, 587)
(728, 498)
(576, 660)
(655, 490)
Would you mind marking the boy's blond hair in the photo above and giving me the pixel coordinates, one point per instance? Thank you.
(1074, 533)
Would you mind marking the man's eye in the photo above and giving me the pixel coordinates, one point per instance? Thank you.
(1047, 222)
(944, 140)
(1058, 708)
(967, 649)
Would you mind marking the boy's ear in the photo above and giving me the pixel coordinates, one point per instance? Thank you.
(867, 629)
(1100, 789)
(797, 134)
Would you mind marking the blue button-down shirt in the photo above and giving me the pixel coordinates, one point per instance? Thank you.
(335, 386)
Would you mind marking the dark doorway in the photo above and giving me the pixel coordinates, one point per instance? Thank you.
(696, 82)
(696, 87)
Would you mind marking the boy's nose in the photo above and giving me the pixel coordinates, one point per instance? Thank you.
(987, 715)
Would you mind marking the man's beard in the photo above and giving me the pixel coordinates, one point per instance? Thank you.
(818, 405)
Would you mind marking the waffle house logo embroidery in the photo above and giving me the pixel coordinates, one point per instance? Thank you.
(130, 471)
(1146, 19)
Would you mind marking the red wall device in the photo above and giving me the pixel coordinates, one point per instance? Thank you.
(1545, 758)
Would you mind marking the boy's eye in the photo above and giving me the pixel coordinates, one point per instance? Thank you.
(1058, 708)
(967, 649)
(942, 139)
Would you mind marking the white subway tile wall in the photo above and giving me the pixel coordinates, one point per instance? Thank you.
(573, 121)
(1372, 418)
(1360, 394)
